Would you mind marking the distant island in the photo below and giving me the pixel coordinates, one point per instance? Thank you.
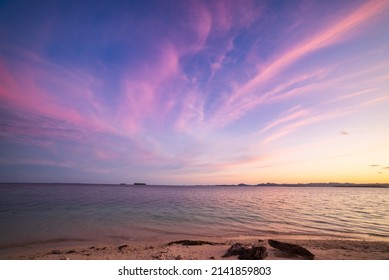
(139, 184)
(330, 184)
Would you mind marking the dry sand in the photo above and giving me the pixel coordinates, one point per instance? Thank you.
(322, 249)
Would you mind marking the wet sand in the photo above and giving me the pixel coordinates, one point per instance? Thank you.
(323, 249)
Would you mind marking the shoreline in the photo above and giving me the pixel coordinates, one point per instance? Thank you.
(322, 248)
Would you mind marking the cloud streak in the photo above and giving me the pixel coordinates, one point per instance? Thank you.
(333, 34)
(178, 90)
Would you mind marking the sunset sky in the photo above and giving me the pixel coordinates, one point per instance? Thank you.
(194, 92)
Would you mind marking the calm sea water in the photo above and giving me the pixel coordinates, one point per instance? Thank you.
(39, 213)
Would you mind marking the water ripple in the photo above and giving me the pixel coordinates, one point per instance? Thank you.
(98, 212)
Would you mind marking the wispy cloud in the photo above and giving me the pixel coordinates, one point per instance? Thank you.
(292, 114)
(204, 87)
(330, 35)
(299, 123)
(33, 90)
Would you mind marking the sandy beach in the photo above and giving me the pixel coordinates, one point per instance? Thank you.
(334, 249)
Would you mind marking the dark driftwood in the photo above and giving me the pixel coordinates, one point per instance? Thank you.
(291, 248)
(193, 243)
(246, 253)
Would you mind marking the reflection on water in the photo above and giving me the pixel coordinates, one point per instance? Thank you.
(30, 213)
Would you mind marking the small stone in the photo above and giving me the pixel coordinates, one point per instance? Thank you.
(179, 257)
(235, 249)
(121, 247)
(246, 253)
(254, 253)
(212, 258)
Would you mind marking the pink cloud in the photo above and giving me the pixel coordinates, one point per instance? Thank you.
(294, 86)
(304, 120)
(143, 96)
(24, 91)
(295, 113)
(298, 120)
(329, 36)
(151, 93)
(362, 77)
(192, 112)
(329, 83)
(221, 17)
(327, 79)
(217, 63)
(372, 102)
(230, 14)
(206, 18)
(333, 34)
(192, 28)
(352, 95)
(202, 23)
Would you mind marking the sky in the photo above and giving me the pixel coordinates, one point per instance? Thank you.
(194, 92)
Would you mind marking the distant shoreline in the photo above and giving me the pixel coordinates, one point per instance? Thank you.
(330, 185)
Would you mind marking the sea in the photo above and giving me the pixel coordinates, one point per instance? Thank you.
(84, 213)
